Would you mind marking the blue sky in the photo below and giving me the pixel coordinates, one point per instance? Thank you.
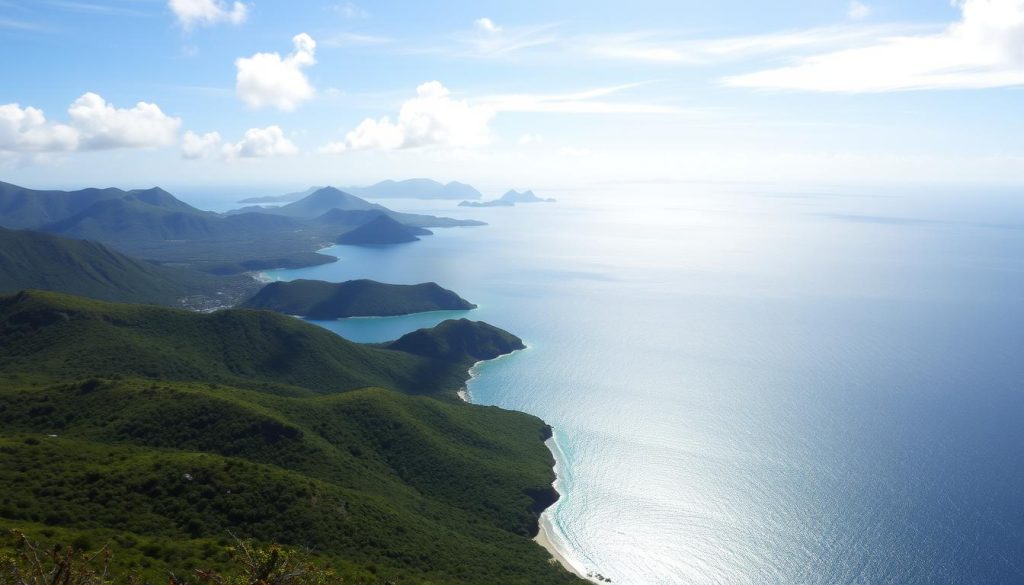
(524, 94)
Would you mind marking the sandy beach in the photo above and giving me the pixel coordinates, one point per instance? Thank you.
(544, 539)
(544, 534)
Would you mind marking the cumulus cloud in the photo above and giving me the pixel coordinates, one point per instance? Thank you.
(858, 10)
(195, 146)
(93, 124)
(261, 143)
(27, 130)
(191, 13)
(267, 80)
(101, 126)
(432, 118)
(256, 143)
(983, 49)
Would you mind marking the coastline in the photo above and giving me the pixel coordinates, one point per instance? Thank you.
(544, 539)
(547, 535)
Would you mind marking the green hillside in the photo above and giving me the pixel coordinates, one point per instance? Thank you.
(377, 232)
(154, 225)
(264, 426)
(42, 261)
(459, 340)
(21, 207)
(316, 299)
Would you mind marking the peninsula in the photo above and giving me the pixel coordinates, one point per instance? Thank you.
(315, 299)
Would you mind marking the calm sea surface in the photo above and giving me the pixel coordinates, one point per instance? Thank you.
(750, 386)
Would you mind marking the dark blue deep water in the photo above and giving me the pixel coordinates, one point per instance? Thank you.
(750, 386)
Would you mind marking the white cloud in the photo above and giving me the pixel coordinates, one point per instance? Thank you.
(487, 39)
(661, 48)
(93, 124)
(530, 139)
(256, 143)
(351, 11)
(583, 102)
(26, 130)
(984, 49)
(191, 13)
(858, 10)
(267, 80)
(346, 39)
(101, 126)
(195, 146)
(432, 118)
(487, 25)
(260, 143)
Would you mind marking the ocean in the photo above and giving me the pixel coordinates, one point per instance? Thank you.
(750, 384)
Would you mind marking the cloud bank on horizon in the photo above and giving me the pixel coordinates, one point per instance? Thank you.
(496, 86)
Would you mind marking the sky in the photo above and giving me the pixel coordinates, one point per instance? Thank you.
(549, 95)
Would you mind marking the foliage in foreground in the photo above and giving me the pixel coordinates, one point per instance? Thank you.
(30, 563)
(156, 432)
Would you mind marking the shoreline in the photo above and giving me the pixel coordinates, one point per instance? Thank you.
(544, 539)
(547, 536)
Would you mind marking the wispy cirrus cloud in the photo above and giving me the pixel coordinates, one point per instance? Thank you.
(94, 8)
(349, 39)
(22, 25)
(490, 39)
(589, 101)
(665, 47)
(983, 49)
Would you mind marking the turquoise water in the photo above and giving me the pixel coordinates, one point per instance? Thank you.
(749, 386)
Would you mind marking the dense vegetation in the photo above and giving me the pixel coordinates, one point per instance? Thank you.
(316, 299)
(34, 563)
(42, 261)
(157, 431)
(154, 225)
(381, 230)
(459, 340)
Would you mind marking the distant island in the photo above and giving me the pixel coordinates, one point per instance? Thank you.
(315, 299)
(509, 199)
(407, 189)
(417, 189)
(154, 225)
(286, 198)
